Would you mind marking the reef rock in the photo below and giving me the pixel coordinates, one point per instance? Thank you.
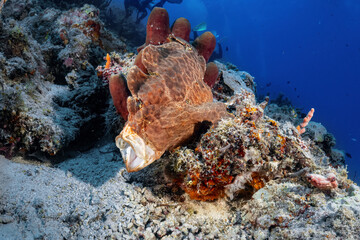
(49, 91)
(236, 80)
(239, 155)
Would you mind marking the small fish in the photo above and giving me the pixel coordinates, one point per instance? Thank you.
(298, 96)
(268, 84)
(294, 114)
(288, 82)
(354, 139)
(348, 155)
(295, 89)
(200, 27)
(227, 48)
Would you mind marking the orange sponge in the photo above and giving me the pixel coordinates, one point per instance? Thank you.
(301, 127)
(108, 61)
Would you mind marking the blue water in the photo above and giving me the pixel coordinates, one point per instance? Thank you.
(314, 44)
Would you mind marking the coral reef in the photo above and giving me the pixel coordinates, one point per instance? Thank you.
(232, 81)
(315, 133)
(238, 156)
(114, 73)
(50, 93)
(255, 174)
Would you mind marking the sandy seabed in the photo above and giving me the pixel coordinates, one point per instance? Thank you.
(91, 196)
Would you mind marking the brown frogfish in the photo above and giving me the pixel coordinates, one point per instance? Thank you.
(169, 98)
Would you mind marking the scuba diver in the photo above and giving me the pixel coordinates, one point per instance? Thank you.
(142, 6)
(162, 2)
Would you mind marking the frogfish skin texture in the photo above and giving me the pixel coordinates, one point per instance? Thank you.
(168, 100)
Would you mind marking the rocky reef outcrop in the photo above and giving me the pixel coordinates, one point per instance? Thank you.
(243, 149)
(50, 92)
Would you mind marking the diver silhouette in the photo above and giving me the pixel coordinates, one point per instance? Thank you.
(142, 6)
(162, 2)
